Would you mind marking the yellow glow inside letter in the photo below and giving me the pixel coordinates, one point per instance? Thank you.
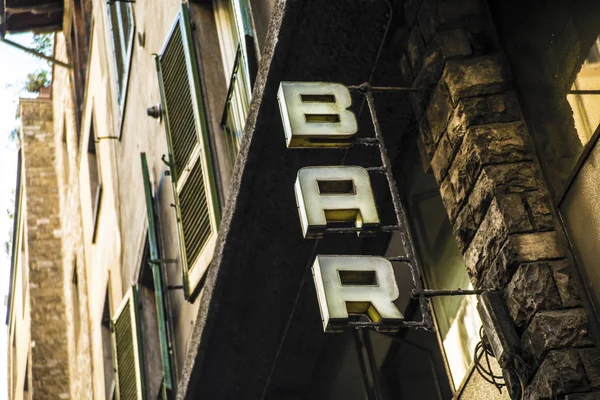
(327, 195)
(363, 285)
(315, 114)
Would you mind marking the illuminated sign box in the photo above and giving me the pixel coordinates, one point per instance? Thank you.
(316, 115)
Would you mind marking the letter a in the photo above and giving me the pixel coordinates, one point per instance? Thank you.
(340, 194)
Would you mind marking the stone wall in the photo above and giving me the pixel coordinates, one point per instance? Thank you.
(476, 142)
(49, 340)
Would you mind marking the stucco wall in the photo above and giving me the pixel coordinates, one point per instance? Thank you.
(19, 323)
(67, 160)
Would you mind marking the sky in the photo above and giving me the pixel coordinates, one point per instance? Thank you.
(14, 67)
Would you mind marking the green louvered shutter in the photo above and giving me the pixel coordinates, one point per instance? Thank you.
(189, 153)
(129, 374)
(157, 279)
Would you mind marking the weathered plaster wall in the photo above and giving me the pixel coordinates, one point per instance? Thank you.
(475, 139)
(139, 133)
(19, 322)
(68, 184)
(124, 134)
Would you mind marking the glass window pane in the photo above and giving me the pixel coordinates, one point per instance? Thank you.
(457, 319)
(125, 13)
(118, 48)
(580, 210)
(586, 106)
(444, 268)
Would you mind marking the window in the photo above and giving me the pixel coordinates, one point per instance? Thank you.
(579, 203)
(78, 46)
(122, 29)
(194, 189)
(239, 61)
(65, 159)
(95, 176)
(129, 371)
(14, 373)
(456, 317)
(586, 104)
(24, 271)
(75, 303)
(26, 389)
(109, 372)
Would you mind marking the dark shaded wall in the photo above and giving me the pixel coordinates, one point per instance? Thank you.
(546, 43)
(480, 150)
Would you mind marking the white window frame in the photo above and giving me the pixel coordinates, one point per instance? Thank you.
(126, 46)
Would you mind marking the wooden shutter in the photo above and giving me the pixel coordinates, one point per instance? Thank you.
(129, 377)
(157, 278)
(194, 189)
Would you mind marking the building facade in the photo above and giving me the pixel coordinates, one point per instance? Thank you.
(157, 246)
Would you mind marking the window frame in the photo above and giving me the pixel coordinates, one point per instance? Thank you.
(585, 152)
(106, 323)
(96, 196)
(127, 54)
(240, 70)
(418, 227)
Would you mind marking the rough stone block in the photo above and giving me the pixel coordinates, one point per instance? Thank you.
(506, 215)
(415, 49)
(556, 329)
(424, 154)
(426, 136)
(540, 210)
(483, 145)
(462, 175)
(483, 110)
(496, 180)
(443, 156)
(429, 74)
(455, 43)
(497, 224)
(449, 199)
(590, 358)
(457, 11)
(435, 16)
(530, 247)
(566, 286)
(427, 19)
(411, 8)
(465, 227)
(471, 216)
(439, 111)
(531, 290)
(584, 396)
(498, 143)
(475, 76)
(433, 65)
(481, 35)
(560, 373)
(518, 249)
(406, 70)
